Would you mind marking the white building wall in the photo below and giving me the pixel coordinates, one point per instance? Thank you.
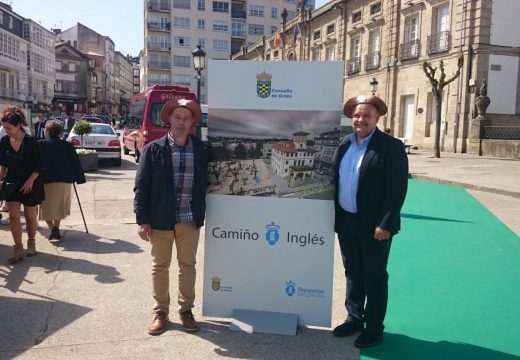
(502, 84)
(505, 26)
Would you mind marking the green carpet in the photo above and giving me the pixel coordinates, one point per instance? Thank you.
(454, 281)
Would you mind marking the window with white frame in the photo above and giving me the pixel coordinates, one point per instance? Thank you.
(58, 66)
(330, 29)
(72, 87)
(355, 47)
(58, 86)
(274, 12)
(220, 6)
(201, 24)
(238, 27)
(220, 44)
(184, 61)
(374, 43)
(181, 41)
(221, 26)
(201, 5)
(180, 79)
(72, 67)
(256, 10)
(316, 35)
(329, 53)
(181, 4)
(201, 42)
(412, 35)
(375, 8)
(255, 29)
(181, 22)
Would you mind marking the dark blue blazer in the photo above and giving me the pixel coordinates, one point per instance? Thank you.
(382, 185)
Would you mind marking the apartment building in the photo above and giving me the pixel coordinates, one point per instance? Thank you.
(124, 82)
(101, 49)
(71, 86)
(173, 29)
(388, 41)
(26, 62)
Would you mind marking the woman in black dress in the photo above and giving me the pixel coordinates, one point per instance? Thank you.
(21, 163)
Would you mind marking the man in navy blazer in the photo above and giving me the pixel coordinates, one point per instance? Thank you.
(371, 184)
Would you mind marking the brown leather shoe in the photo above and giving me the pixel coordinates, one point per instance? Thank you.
(188, 321)
(159, 323)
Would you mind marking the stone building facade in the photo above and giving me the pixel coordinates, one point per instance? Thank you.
(388, 41)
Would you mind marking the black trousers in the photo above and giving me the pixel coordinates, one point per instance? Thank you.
(365, 260)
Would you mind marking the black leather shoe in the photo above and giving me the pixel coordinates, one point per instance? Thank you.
(368, 339)
(349, 327)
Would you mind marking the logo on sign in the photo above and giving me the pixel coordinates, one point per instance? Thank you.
(290, 288)
(272, 235)
(263, 85)
(215, 283)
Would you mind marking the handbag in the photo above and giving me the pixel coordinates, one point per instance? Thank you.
(8, 189)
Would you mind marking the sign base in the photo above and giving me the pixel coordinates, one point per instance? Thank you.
(266, 322)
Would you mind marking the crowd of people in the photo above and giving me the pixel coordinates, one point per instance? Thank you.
(169, 203)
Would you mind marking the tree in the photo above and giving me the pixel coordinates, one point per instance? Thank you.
(437, 86)
(81, 128)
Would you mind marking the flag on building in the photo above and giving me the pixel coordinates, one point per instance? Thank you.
(296, 32)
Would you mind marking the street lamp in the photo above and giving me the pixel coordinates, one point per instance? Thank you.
(199, 57)
(373, 86)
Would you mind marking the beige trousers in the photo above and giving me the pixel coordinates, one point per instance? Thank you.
(186, 238)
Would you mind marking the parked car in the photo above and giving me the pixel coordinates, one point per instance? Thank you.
(103, 139)
(92, 119)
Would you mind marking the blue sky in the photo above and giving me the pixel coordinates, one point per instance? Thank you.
(121, 20)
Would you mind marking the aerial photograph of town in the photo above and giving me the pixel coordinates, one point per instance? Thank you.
(273, 153)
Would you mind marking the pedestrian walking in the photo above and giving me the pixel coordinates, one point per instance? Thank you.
(170, 206)
(62, 168)
(39, 127)
(20, 167)
(371, 184)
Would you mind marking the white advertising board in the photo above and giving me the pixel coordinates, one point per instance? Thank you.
(269, 241)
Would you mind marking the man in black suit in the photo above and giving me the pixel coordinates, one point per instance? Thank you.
(371, 184)
(39, 127)
(68, 125)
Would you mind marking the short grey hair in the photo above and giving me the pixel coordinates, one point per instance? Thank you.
(54, 129)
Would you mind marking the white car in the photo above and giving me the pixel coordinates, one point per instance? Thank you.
(103, 139)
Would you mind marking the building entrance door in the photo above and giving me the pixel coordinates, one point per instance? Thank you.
(408, 116)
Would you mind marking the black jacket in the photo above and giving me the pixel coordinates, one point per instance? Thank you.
(60, 162)
(382, 185)
(154, 201)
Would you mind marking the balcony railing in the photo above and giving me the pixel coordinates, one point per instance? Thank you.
(238, 33)
(372, 60)
(501, 132)
(159, 27)
(154, 6)
(410, 50)
(240, 14)
(159, 65)
(353, 66)
(438, 42)
(158, 47)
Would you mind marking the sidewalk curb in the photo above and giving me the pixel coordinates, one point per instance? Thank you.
(466, 185)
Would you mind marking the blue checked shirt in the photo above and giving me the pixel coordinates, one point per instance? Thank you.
(183, 168)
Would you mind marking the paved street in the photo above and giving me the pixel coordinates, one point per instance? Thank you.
(89, 296)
